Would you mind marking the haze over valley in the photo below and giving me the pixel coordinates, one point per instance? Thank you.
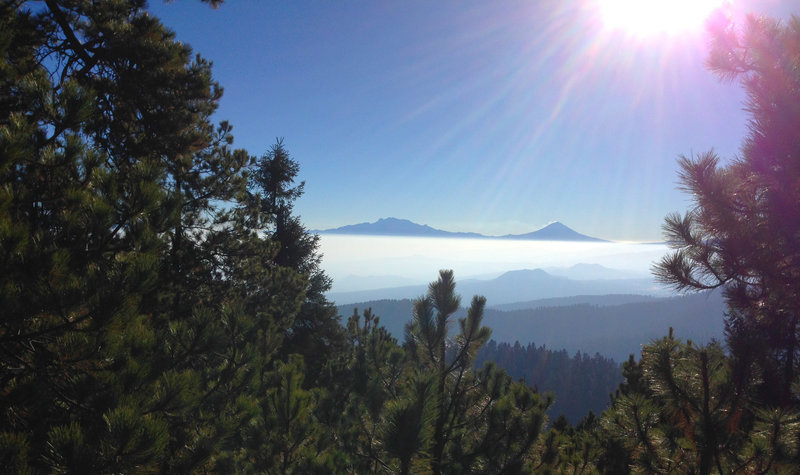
(578, 293)
(553, 306)
(391, 258)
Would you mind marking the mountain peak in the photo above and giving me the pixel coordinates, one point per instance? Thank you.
(555, 231)
(389, 227)
(555, 225)
(523, 274)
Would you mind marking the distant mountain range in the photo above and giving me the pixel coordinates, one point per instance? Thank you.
(403, 227)
(583, 271)
(518, 286)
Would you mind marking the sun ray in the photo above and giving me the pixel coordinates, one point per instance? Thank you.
(646, 17)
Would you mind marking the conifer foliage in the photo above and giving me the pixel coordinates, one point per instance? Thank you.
(743, 233)
(696, 409)
(685, 415)
(316, 332)
(139, 313)
(481, 420)
(422, 408)
(163, 310)
(687, 408)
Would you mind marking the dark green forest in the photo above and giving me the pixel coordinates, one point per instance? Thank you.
(580, 382)
(163, 307)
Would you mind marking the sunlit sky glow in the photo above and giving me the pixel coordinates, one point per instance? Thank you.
(647, 17)
(493, 117)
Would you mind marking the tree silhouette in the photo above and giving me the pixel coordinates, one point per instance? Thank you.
(139, 311)
(316, 332)
(482, 421)
(687, 415)
(743, 234)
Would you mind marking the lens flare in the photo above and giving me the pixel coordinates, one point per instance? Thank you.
(646, 17)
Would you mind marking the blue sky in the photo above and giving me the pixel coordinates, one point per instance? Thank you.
(494, 117)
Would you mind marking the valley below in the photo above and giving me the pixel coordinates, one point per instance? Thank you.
(586, 324)
(564, 314)
(588, 296)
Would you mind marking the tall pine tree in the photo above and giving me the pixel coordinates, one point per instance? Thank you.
(743, 233)
(316, 333)
(140, 314)
(481, 421)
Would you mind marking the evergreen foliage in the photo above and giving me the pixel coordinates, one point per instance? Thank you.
(421, 407)
(687, 408)
(141, 314)
(688, 416)
(580, 383)
(695, 409)
(164, 311)
(743, 233)
(483, 421)
(316, 333)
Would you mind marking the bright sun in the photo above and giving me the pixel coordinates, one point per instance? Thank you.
(644, 17)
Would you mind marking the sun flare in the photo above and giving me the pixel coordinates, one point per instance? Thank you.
(644, 17)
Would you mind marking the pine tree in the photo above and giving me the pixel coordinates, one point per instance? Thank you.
(693, 408)
(140, 314)
(427, 337)
(365, 397)
(686, 415)
(743, 233)
(482, 421)
(316, 332)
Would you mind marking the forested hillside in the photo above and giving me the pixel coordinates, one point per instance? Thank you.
(614, 331)
(164, 308)
(580, 382)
